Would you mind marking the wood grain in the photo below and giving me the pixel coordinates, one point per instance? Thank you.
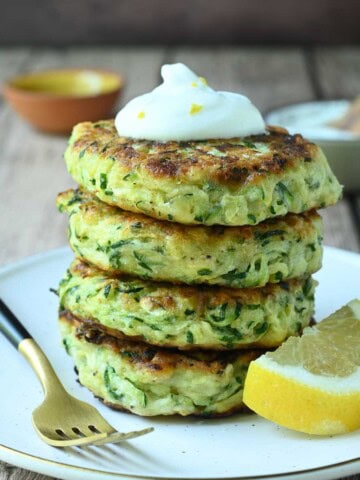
(338, 222)
(8, 472)
(32, 170)
(338, 71)
(11, 61)
(337, 74)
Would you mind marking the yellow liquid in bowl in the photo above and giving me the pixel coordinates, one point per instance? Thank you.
(73, 83)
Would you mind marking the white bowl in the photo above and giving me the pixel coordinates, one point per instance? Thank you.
(341, 148)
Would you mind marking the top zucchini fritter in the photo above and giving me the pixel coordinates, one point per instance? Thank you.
(240, 181)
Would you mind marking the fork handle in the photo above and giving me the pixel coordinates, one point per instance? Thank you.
(41, 366)
(17, 334)
(10, 326)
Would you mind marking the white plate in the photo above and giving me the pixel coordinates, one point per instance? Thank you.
(242, 446)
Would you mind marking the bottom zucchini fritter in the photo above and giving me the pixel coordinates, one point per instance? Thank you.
(148, 380)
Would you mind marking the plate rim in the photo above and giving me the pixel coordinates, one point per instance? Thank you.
(93, 471)
(12, 453)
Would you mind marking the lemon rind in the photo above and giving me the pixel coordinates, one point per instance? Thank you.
(334, 384)
(299, 406)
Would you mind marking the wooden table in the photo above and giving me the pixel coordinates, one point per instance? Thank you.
(32, 171)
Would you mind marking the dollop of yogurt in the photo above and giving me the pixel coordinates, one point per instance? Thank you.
(185, 108)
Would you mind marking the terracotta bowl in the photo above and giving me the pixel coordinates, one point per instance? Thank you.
(55, 100)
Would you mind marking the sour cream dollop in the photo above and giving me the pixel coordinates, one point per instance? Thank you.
(184, 108)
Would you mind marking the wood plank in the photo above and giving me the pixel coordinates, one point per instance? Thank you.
(9, 472)
(338, 76)
(339, 228)
(271, 77)
(12, 61)
(31, 173)
(32, 170)
(338, 71)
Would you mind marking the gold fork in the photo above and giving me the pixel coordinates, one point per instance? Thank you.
(61, 420)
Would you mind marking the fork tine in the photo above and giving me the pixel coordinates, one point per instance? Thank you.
(74, 442)
(118, 437)
(95, 439)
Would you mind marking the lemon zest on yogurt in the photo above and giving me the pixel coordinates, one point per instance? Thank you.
(195, 108)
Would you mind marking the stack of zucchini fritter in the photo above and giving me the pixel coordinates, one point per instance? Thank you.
(191, 259)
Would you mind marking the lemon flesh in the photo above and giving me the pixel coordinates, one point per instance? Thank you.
(312, 384)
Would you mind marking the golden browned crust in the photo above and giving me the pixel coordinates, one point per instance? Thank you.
(238, 409)
(156, 359)
(239, 162)
(302, 224)
(204, 294)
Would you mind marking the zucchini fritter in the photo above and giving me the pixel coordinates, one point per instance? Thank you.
(187, 317)
(239, 181)
(124, 242)
(151, 381)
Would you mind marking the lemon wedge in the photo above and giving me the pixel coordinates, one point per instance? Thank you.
(312, 383)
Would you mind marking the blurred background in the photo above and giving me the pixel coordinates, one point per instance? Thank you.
(185, 22)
